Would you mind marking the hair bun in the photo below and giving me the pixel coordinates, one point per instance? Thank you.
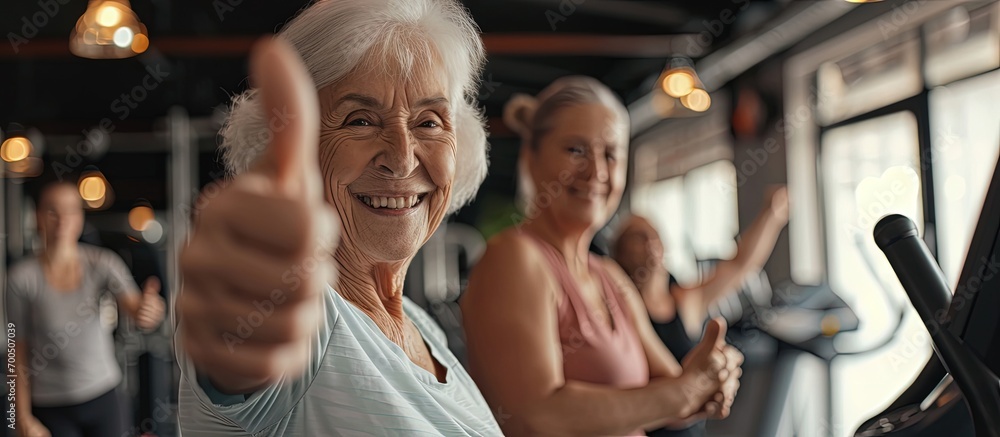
(518, 113)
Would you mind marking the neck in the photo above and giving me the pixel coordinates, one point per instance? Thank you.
(573, 244)
(376, 288)
(56, 252)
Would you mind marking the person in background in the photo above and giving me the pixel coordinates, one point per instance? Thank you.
(67, 373)
(558, 340)
(677, 313)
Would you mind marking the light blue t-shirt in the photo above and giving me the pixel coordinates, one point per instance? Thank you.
(357, 383)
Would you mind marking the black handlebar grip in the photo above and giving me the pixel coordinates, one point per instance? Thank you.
(919, 274)
(927, 289)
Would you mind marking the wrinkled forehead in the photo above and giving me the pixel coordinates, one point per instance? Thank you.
(383, 86)
(414, 69)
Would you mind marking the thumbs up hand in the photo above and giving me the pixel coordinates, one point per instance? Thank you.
(151, 305)
(712, 372)
(259, 256)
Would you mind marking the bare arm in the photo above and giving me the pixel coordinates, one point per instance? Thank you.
(515, 356)
(145, 309)
(753, 250)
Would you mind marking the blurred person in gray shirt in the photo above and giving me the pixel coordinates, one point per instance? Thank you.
(66, 368)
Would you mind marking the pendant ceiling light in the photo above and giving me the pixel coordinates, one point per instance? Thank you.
(108, 30)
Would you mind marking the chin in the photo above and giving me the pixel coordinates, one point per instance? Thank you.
(391, 246)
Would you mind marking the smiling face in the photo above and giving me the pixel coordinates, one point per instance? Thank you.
(578, 167)
(387, 154)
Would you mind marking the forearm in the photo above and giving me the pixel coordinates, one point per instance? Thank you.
(753, 250)
(579, 409)
(758, 241)
(129, 304)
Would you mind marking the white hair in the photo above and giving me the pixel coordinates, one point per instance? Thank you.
(337, 37)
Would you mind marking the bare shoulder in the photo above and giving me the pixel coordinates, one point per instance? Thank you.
(512, 265)
(514, 251)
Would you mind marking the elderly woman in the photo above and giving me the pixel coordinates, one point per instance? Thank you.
(384, 145)
(558, 338)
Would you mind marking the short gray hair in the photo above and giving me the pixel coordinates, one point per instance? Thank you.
(336, 37)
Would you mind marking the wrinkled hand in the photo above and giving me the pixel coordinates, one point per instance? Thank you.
(259, 256)
(31, 427)
(151, 305)
(711, 375)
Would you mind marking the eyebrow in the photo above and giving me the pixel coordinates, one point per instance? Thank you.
(431, 101)
(361, 99)
(371, 102)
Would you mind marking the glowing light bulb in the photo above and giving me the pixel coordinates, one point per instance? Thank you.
(140, 217)
(140, 43)
(698, 100)
(92, 188)
(678, 83)
(123, 37)
(108, 14)
(15, 149)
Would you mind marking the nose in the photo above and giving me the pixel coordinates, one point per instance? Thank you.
(597, 167)
(398, 155)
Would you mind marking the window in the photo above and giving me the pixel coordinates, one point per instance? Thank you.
(870, 169)
(965, 134)
(696, 216)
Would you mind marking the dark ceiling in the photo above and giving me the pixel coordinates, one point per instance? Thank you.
(201, 46)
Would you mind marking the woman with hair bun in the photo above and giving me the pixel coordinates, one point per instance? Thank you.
(362, 127)
(558, 339)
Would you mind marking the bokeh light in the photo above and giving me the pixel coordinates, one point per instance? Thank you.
(15, 149)
(92, 188)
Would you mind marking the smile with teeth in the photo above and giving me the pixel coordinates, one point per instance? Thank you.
(391, 202)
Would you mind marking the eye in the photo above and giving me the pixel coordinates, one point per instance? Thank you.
(430, 124)
(576, 150)
(359, 121)
(610, 156)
